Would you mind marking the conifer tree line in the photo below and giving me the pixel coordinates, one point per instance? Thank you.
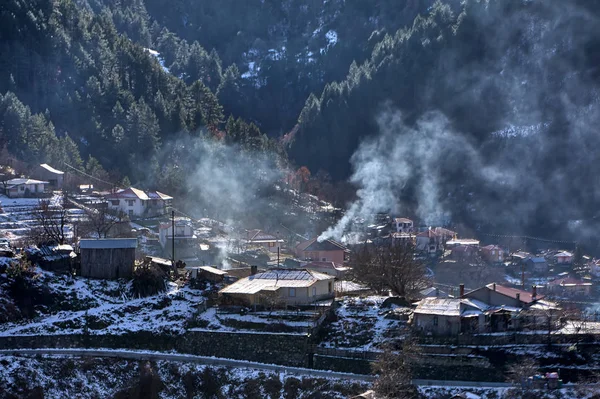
(308, 79)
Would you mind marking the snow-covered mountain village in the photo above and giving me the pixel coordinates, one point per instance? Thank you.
(92, 274)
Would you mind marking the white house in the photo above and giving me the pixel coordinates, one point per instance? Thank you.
(18, 188)
(137, 203)
(186, 242)
(564, 258)
(403, 225)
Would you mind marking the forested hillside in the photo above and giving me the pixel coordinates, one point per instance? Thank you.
(487, 114)
(75, 90)
(479, 111)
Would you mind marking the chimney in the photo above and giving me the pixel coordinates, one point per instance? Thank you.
(494, 286)
(253, 270)
(518, 296)
(437, 292)
(461, 290)
(533, 291)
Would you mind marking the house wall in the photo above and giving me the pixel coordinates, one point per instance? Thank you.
(107, 263)
(325, 256)
(55, 180)
(139, 207)
(446, 325)
(26, 189)
(304, 295)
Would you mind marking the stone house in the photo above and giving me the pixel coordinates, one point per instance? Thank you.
(290, 287)
(442, 316)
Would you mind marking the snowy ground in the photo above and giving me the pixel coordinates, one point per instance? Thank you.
(61, 377)
(362, 324)
(107, 308)
(16, 220)
(256, 321)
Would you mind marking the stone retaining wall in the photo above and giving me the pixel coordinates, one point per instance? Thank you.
(283, 349)
(342, 364)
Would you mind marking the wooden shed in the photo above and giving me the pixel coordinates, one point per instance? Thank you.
(110, 258)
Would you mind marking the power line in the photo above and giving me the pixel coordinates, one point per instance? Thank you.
(88, 175)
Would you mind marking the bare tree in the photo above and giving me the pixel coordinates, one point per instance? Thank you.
(100, 220)
(394, 370)
(391, 266)
(52, 221)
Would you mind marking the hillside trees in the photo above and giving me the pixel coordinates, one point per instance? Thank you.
(78, 88)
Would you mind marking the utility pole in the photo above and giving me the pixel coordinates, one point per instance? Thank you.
(173, 238)
(278, 246)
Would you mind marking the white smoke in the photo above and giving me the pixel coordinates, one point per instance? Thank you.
(402, 156)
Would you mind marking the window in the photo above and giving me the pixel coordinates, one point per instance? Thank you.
(22, 188)
(130, 213)
(130, 202)
(292, 292)
(271, 244)
(329, 287)
(314, 291)
(435, 320)
(324, 259)
(115, 202)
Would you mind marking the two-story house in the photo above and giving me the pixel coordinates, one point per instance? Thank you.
(323, 251)
(186, 242)
(137, 203)
(403, 225)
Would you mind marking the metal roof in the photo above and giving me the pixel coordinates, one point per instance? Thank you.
(108, 243)
(51, 169)
(437, 306)
(274, 279)
(19, 181)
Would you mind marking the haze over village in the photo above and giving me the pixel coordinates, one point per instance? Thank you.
(297, 199)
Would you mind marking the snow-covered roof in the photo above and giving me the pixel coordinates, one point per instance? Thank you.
(130, 192)
(51, 169)
(19, 181)
(463, 241)
(326, 265)
(437, 306)
(159, 195)
(402, 220)
(108, 243)
(274, 279)
(563, 254)
(213, 270)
